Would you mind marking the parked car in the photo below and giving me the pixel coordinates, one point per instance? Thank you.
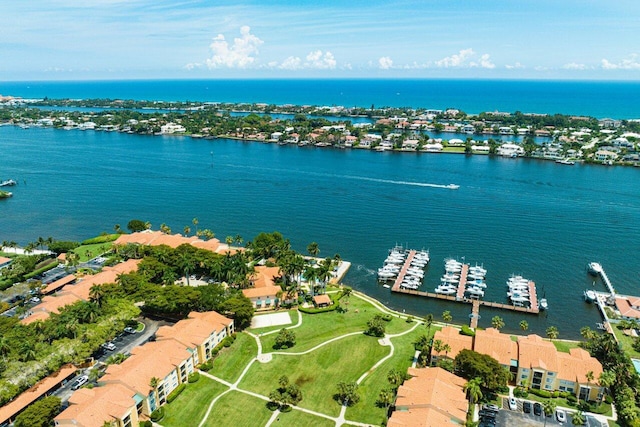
(526, 407)
(79, 382)
(486, 414)
(490, 407)
(34, 300)
(130, 330)
(537, 409)
(561, 416)
(109, 346)
(513, 404)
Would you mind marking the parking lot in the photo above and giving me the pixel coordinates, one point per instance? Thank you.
(508, 418)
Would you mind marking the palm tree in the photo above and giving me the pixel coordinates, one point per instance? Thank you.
(428, 321)
(578, 419)
(311, 274)
(446, 316)
(474, 392)
(438, 346)
(187, 264)
(238, 239)
(195, 223)
(228, 240)
(313, 249)
(606, 380)
(497, 322)
(187, 230)
(73, 325)
(552, 332)
(446, 348)
(154, 382)
(549, 406)
(524, 325)
(96, 294)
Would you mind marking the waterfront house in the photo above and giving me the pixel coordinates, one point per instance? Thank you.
(431, 397)
(4, 262)
(605, 155)
(510, 150)
(171, 128)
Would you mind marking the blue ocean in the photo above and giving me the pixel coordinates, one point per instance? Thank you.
(592, 98)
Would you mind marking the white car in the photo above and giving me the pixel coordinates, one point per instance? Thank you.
(79, 382)
(513, 404)
(109, 346)
(561, 416)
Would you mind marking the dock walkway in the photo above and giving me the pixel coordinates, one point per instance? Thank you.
(597, 268)
(403, 272)
(463, 282)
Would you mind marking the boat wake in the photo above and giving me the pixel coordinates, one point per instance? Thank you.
(369, 271)
(357, 177)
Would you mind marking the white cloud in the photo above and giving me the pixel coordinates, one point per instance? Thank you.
(385, 63)
(316, 60)
(517, 65)
(629, 63)
(458, 60)
(321, 61)
(575, 66)
(466, 59)
(240, 54)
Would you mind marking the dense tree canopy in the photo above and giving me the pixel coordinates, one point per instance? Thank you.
(470, 365)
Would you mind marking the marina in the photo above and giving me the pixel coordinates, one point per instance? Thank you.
(454, 284)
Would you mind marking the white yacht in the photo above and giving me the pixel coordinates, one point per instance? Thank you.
(478, 269)
(451, 278)
(446, 290)
(519, 298)
(475, 276)
(479, 283)
(386, 275)
(422, 256)
(543, 304)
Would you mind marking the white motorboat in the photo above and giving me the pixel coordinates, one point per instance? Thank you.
(479, 283)
(543, 304)
(474, 291)
(475, 276)
(446, 290)
(416, 271)
(393, 260)
(450, 278)
(418, 264)
(477, 269)
(519, 298)
(453, 269)
(409, 286)
(386, 275)
(518, 293)
(590, 295)
(422, 255)
(565, 162)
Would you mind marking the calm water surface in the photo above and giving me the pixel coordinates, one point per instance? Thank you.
(534, 218)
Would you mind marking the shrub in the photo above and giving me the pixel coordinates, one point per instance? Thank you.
(146, 423)
(311, 310)
(285, 408)
(41, 270)
(285, 339)
(608, 399)
(206, 366)
(555, 394)
(540, 393)
(158, 414)
(465, 330)
(386, 317)
(60, 246)
(572, 400)
(194, 377)
(175, 393)
(520, 392)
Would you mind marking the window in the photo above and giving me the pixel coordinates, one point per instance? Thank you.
(127, 421)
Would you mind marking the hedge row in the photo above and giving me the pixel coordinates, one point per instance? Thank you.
(158, 414)
(194, 377)
(39, 271)
(175, 393)
(105, 238)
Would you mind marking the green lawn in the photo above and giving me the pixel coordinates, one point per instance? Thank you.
(236, 409)
(231, 361)
(299, 418)
(319, 327)
(626, 342)
(87, 252)
(366, 410)
(192, 403)
(318, 372)
(565, 346)
(294, 320)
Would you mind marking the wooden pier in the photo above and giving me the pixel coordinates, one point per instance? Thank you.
(475, 314)
(403, 271)
(463, 282)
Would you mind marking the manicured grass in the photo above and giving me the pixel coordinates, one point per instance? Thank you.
(317, 328)
(317, 373)
(192, 403)
(236, 409)
(231, 361)
(565, 346)
(294, 320)
(299, 418)
(366, 411)
(626, 342)
(87, 252)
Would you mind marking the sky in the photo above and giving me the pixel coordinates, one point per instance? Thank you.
(220, 39)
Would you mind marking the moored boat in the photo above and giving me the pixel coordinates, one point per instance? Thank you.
(590, 295)
(543, 304)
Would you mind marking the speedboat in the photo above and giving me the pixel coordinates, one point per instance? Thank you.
(450, 261)
(411, 286)
(590, 295)
(8, 183)
(543, 304)
(422, 256)
(419, 264)
(475, 276)
(386, 275)
(565, 162)
(453, 269)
